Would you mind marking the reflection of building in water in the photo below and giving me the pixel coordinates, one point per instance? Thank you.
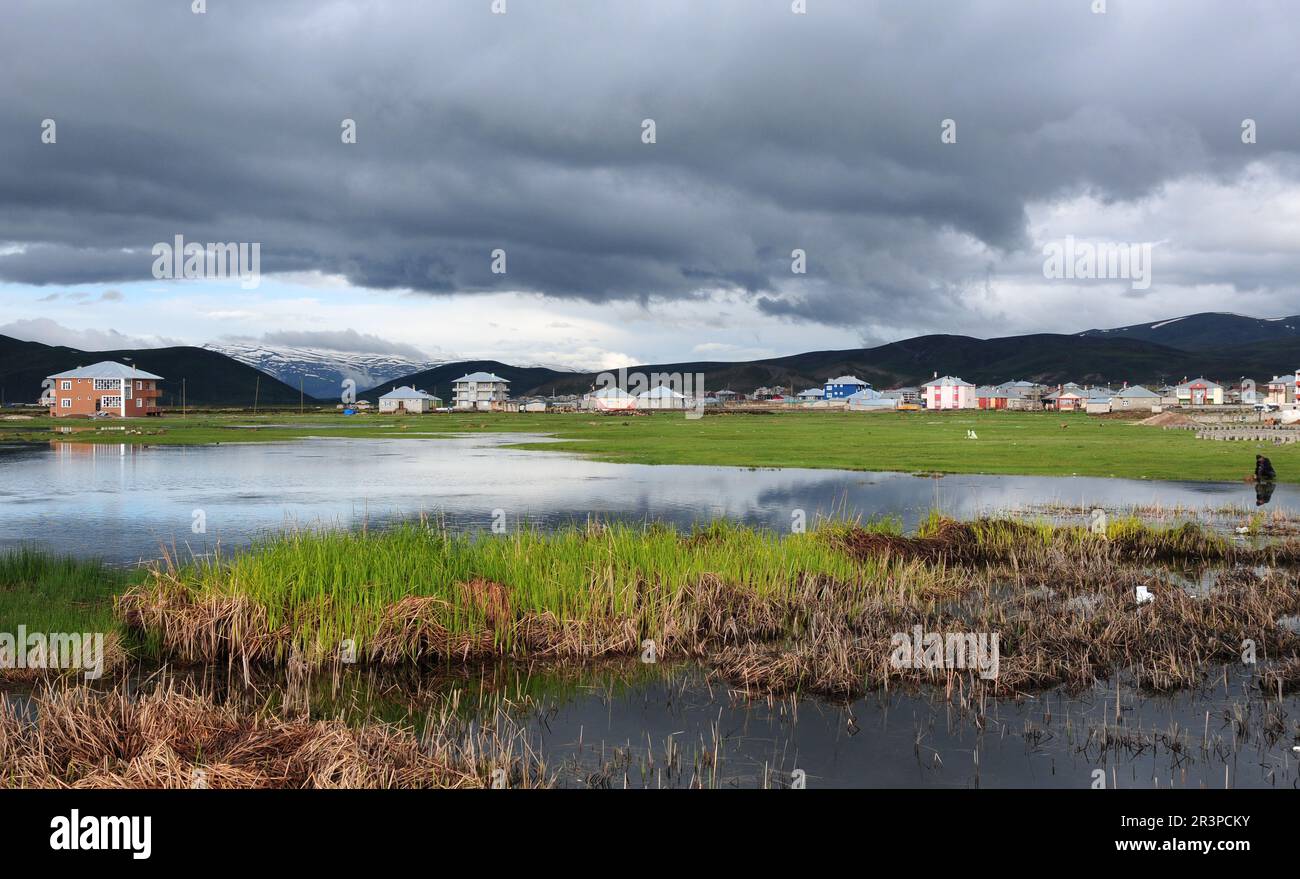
(94, 450)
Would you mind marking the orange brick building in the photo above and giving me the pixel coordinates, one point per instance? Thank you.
(115, 388)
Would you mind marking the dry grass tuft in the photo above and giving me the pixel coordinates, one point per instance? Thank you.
(177, 738)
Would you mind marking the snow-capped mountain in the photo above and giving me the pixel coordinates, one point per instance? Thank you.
(322, 371)
(1208, 331)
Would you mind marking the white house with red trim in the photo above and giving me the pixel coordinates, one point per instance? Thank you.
(1200, 392)
(949, 392)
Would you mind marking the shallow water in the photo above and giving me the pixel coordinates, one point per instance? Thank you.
(124, 502)
(643, 726)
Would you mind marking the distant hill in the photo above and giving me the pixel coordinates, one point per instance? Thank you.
(1207, 331)
(1046, 358)
(1222, 347)
(523, 379)
(211, 378)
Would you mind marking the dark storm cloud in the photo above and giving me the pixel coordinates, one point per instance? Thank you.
(522, 132)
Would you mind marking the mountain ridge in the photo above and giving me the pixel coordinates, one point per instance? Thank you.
(210, 378)
(1220, 346)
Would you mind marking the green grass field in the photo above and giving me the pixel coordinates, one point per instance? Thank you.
(1008, 442)
(48, 593)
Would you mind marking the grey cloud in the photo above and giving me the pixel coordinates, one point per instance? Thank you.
(523, 132)
(50, 332)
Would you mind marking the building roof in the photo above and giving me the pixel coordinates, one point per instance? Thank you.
(848, 380)
(1282, 380)
(107, 369)
(1137, 391)
(660, 392)
(990, 392)
(947, 381)
(1199, 382)
(482, 377)
(813, 392)
(406, 392)
(612, 392)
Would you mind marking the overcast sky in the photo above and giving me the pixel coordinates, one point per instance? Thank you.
(524, 132)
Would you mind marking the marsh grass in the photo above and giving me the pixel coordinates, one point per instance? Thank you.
(174, 736)
(416, 590)
(769, 612)
(46, 594)
(50, 593)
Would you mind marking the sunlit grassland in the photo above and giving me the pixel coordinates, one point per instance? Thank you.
(1029, 443)
(330, 586)
(47, 593)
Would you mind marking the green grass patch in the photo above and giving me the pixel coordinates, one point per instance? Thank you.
(48, 593)
(1029, 443)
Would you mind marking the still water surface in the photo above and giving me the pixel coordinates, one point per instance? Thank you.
(123, 502)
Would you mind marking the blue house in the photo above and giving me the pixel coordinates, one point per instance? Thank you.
(844, 386)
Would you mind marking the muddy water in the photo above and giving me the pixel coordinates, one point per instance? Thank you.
(124, 502)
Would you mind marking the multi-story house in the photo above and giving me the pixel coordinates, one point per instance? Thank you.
(108, 387)
(480, 390)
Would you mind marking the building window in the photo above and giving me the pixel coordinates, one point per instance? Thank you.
(66, 403)
(65, 385)
(107, 384)
(138, 402)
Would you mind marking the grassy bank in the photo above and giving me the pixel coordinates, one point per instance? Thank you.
(1008, 442)
(48, 593)
(814, 611)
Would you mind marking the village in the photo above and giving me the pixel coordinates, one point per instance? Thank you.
(112, 389)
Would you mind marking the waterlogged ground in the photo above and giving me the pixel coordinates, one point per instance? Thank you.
(675, 727)
(636, 725)
(125, 502)
(633, 725)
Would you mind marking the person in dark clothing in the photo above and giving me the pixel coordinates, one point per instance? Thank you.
(1264, 471)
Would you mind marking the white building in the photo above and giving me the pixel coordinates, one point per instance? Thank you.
(1200, 392)
(662, 397)
(408, 399)
(949, 392)
(870, 400)
(611, 399)
(480, 390)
